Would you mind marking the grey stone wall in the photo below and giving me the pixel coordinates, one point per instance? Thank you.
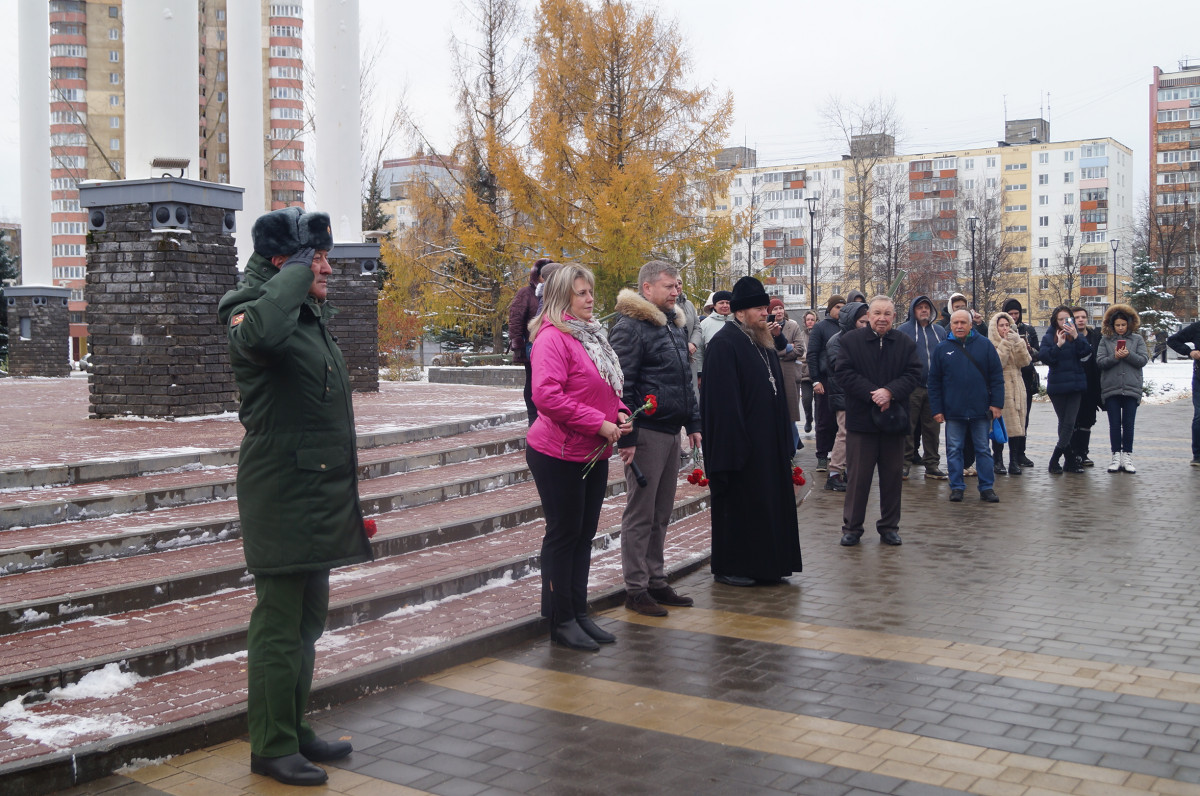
(44, 352)
(489, 375)
(157, 347)
(356, 325)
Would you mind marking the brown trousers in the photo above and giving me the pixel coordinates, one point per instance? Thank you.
(863, 453)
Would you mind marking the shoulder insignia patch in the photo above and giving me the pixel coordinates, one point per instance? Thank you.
(236, 319)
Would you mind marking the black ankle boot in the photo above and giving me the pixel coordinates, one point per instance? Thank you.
(1072, 463)
(570, 634)
(1054, 467)
(598, 633)
(998, 459)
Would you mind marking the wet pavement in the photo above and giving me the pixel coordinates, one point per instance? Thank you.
(1047, 644)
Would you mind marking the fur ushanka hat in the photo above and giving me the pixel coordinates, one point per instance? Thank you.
(288, 230)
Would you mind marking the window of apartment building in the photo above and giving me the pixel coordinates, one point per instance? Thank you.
(969, 164)
(222, 137)
(114, 56)
(1043, 157)
(114, 11)
(223, 176)
(1014, 208)
(1043, 221)
(1020, 186)
(68, 250)
(220, 15)
(1095, 172)
(114, 122)
(220, 96)
(1068, 198)
(1015, 166)
(1016, 228)
(1069, 155)
(1044, 304)
(1043, 284)
(287, 10)
(114, 144)
(990, 182)
(63, 184)
(1099, 236)
(795, 290)
(968, 184)
(69, 272)
(65, 206)
(944, 164)
(1043, 243)
(66, 228)
(1095, 280)
(1069, 176)
(286, 52)
(114, 100)
(220, 34)
(220, 56)
(1043, 201)
(114, 78)
(1093, 151)
(68, 51)
(737, 201)
(1179, 156)
(991, 163)
(1183, 92)
(1043, 179)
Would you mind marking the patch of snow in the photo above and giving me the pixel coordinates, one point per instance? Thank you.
(60, 731)
(31, 616)
(141, 762)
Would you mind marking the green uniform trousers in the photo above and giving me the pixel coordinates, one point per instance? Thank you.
(286, 622)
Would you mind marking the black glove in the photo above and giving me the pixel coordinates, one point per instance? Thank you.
(303, 257)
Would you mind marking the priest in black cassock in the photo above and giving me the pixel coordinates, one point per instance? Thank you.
(748, 448)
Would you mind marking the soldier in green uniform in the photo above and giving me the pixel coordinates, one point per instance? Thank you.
(297, 480)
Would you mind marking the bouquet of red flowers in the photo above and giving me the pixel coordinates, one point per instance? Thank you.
(370, 527)
(648, 408)
(797, 477)
(696, 476)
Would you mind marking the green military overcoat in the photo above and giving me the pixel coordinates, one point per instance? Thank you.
(297, 480)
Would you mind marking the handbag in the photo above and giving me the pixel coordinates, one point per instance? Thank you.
(892, 421)
(999, 432)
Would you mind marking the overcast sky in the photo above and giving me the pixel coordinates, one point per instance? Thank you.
(951, 67)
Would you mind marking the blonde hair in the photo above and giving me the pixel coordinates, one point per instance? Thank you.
(557, 295)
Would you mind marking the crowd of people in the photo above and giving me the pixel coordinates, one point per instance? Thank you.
(745, 383)
(666, 383)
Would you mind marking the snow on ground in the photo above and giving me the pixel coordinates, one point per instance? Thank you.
(1169, 381)
(60, 731)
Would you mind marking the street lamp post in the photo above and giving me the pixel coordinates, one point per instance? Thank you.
(972, 223)
(1115, 242)
(812, 250)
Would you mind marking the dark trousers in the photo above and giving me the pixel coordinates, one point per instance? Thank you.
(529, 407)
(1122, 409)
(1195, 413)
(1066, 406)
(826, 425)
(287, 620)
(571, 504)
(863, 453)
(923, 423)
(806, 400)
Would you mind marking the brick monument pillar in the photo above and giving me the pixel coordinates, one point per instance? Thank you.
(39, 340)
(354, 291)
(160, 255)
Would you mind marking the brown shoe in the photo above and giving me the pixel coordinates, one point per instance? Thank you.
(644, 604)
(668, 596)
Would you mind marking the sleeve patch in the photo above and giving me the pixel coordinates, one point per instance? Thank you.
(236, 319)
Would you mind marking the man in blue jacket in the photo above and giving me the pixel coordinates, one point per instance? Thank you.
(966, 392)
(927, 335)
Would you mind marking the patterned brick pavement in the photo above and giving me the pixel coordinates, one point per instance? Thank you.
(1047, 644)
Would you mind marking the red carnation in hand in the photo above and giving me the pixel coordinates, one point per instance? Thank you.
(370, 527)
(798, 476)
(651, 405)
(703, 482)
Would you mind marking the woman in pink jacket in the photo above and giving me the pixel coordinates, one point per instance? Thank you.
(577, 387)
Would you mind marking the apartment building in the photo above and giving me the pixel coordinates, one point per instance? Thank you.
(87, 118)
(1045, 217)
(401, 177)
(1175, 180)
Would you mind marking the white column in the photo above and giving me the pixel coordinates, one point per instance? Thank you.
(339, 148)
(162, 85)
(33, 30)
(246, 129)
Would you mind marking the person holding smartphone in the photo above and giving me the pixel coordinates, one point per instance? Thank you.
(1064, 351)
(1121, 356)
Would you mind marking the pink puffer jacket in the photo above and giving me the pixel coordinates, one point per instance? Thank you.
(571, 396)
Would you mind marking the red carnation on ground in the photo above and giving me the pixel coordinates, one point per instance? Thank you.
(370, 527)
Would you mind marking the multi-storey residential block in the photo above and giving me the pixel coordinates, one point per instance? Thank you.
(1027, 218)
(87, 117)
(1175, 181)
(401, 178)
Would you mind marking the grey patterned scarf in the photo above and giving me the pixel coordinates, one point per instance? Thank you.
(595, 342)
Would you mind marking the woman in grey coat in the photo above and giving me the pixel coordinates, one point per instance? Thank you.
(1121, 355)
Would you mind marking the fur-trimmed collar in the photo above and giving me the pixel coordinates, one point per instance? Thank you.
(631, 303)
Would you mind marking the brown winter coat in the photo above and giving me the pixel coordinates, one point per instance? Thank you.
(790, 362)
(1014, 355)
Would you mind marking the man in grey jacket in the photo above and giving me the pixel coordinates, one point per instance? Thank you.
(926, 334)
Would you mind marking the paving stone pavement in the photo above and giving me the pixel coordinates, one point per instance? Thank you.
(1047, 644)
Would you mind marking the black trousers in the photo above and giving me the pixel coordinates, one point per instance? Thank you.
(571, 504)
(826, 425)
(865, 452)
